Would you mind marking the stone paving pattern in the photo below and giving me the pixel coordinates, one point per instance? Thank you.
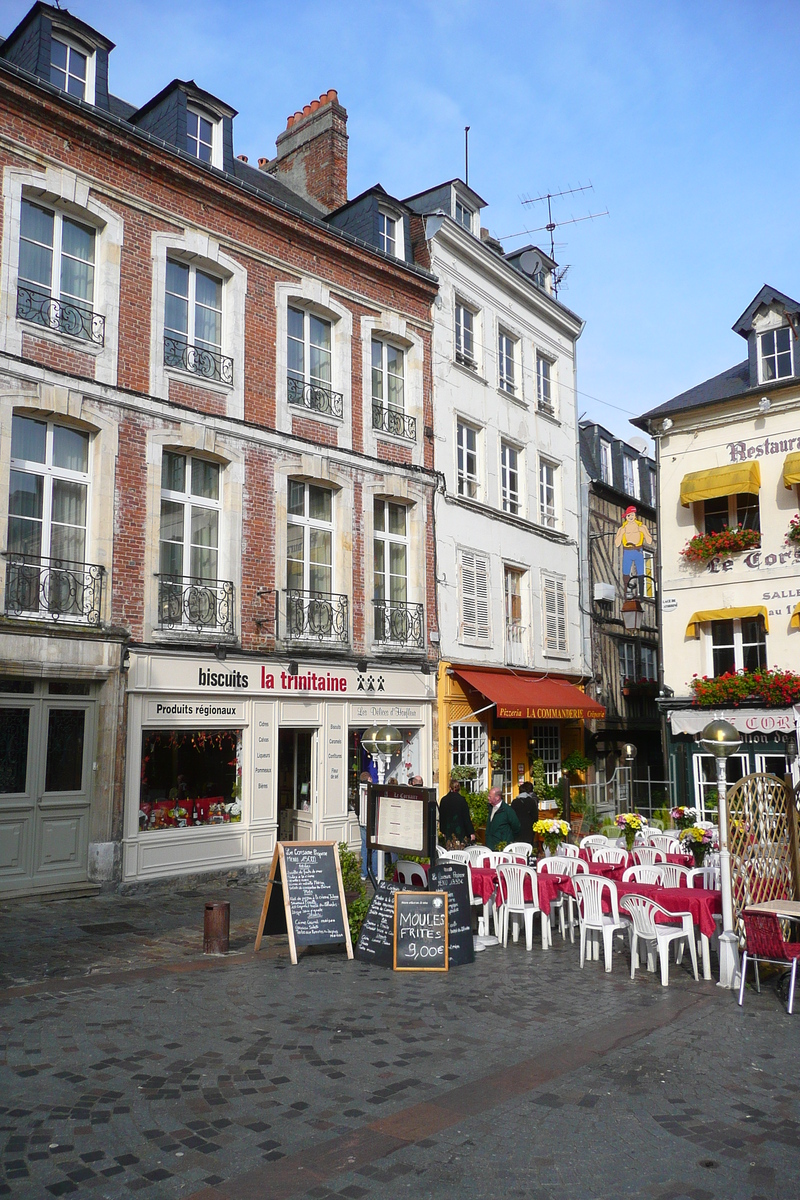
(130, 1064)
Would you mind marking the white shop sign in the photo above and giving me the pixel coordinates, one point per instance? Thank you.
(375, 714)
(179, 710)
(267, 678)
(745, 720)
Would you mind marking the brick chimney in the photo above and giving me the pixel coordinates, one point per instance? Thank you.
(312, 153)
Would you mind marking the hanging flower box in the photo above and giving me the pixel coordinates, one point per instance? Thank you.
(705, 546)
(793, 532)
(640, 687)
(770, 687)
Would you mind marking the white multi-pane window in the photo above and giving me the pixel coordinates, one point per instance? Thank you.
(387, 233)
(775, 352)
(464, 215)
(723, 512)
(468, 749)
(467, 460)
(738, 645)
(627, 660)
(554, 614)
(193, 322)
(56, 272)
(47, 511)
(388, 389)
(465, 335)
(653, 486)
(309, 540)
(544, 385)
(474, 586)
(547, 493)
(190, 516)
(606, 469)
(509, 478)
(199, 136)
(547, 746)
(515, 630)
(310, 362)
(630, 475)
(502, 745)
(70, 69)
(505, 362)
(390, 578)
(649, 661)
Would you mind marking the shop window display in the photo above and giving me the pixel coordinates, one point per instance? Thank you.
(190, 777)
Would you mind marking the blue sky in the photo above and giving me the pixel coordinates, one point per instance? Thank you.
(680, 113)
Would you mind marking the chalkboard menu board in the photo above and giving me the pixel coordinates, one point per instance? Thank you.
(376, 939)
(420, 931)
(309, 877)
(451, 877)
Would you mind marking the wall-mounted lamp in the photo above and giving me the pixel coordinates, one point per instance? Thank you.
(362, 665)
(221, 653)
(293, 667)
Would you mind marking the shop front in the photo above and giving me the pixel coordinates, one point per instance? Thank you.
(769, 744)
(495, 722)
(225, 758)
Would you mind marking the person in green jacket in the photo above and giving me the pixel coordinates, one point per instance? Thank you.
(503, 824)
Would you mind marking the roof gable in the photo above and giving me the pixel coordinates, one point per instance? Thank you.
(768, 295)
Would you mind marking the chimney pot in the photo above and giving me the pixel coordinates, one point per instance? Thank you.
(323, 98)
(314, 105)
(290, 121)
(306, 109)
(333, 95)
(262, 162)
(298, 116)
(242, 157)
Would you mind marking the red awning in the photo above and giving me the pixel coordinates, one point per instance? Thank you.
(532, 697)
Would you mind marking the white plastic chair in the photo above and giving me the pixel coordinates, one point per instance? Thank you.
(675, 876)
(410, 874)
(459, 856)
(703, 877)
(444, 855)
(642, 874)
(556, 865)
(646, 856)
(478, 855)
(567, 850)
(589, 892)
(609, 855)
(515, 905)
(593, 839)
(666, 842)
(518, 848)
(502, 857)
(642, 913)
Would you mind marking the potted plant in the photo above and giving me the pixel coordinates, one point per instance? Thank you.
(498, 776)
(704, 546)
(355, 889)
(793, 532)
(698, 841)
(682, 816)
(771, 687)
(630, 824)
(463, 774)
(478, 803)
(552, 832)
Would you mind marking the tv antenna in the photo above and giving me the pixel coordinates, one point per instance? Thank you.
(552, 225)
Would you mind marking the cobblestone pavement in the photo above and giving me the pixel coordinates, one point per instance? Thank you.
(132, 1064)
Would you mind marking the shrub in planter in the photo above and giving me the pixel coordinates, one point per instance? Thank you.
(705, 546)
(355, 889)
(793, 532)
(771, 687)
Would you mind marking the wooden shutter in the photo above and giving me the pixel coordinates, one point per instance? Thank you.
(474, 596)
(555, 614)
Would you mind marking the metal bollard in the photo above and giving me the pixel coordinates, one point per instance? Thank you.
(217, 927)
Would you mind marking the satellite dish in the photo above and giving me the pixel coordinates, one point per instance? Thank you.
(639, 445)
(530, 262)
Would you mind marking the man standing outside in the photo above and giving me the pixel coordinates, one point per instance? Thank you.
(632, 535)
(503, 824)
(455, 823)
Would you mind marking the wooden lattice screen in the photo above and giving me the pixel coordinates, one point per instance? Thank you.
(762, 838)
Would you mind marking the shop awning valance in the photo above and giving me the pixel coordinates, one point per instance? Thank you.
(794, 620)
(724, 614)
(720, 481)
(532, 697)
(791, 469)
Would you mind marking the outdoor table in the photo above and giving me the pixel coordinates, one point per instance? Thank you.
(789, 910)
(702, 903)
(680, 860)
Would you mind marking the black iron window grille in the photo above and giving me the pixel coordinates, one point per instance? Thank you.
(203, 604)
(466, 360)
(391, 420)
(198, 360)
(315, 396)
(52, 588)
(320, 615)
(399, 623)
(43, 309)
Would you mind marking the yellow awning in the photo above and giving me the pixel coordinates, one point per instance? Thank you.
(791, 469)
(720, 481)
(724, 614)
(795, 617)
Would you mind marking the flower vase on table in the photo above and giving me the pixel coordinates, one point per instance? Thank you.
(698, 841)
(683, 817)
(552, 832)
(630, 824)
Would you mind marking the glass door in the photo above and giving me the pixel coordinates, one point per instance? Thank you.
(295, 781)
(63, 789)
(17, 720)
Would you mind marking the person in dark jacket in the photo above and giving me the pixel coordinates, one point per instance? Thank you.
(526, 807)
(502, 826)
(455, 823)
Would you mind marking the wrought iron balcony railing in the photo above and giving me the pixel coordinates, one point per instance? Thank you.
(51, 589)
(465, 359)
(391, 420)
(314, 396)
(398, 623)
(51, 313)
(203, 604)
(323, 616)
(516, 643)
(197, 360)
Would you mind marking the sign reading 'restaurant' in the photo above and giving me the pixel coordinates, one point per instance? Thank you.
(741, 451)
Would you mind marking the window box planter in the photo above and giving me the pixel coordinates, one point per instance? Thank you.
(793, 532)
(772, 688)
(705, 546)
(640, 687)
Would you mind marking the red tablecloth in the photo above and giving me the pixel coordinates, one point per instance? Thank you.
(484, 882)
(700, 902)
(680, 860)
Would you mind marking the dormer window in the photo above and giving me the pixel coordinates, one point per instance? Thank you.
(464, 215)
(390, 233)
(775, 353)
(202, 137)
(71, 69)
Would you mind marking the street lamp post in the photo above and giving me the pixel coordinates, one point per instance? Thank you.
(628, 755)
(721, 739)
